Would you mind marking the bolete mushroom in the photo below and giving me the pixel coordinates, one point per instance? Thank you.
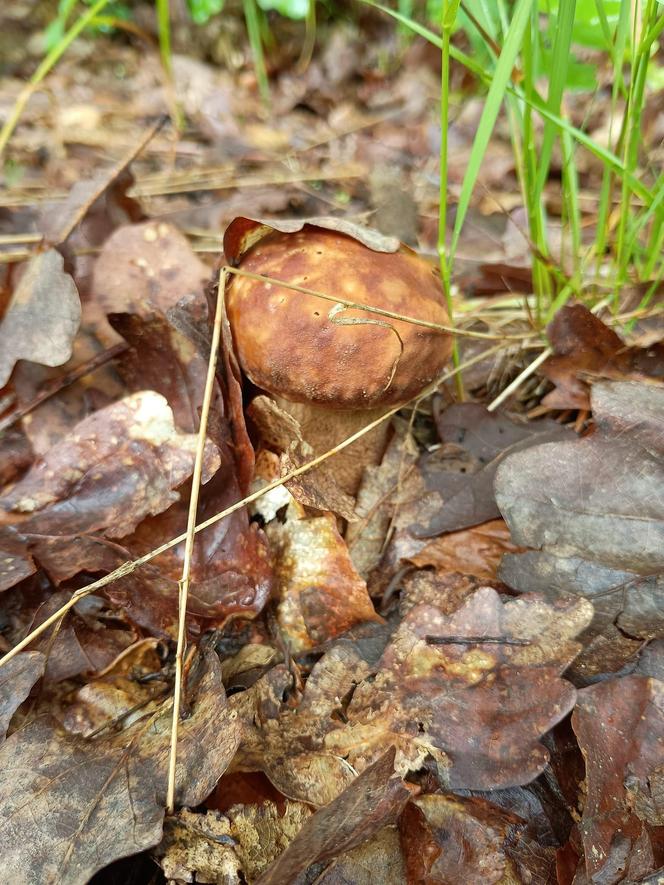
(336, 369)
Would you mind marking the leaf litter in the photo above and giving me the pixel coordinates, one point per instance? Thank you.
(455, 676)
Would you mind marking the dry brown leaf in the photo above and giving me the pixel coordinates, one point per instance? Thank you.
(320, 593)
(42, 318)
(16, 680)
(69, 807)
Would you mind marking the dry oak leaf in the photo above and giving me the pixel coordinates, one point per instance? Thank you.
(17, 677)
(116, 467)
(373, 800)
(320, 593)
(477, 708)
(585, 348)
(69, 806)
(42, 318)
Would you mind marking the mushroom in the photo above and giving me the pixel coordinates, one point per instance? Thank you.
(336, 369)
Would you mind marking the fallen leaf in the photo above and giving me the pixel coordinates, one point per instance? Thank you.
(585, 349)
(475, 552)
(620, 728)
(478, 708)
(599, 497)
(371, 801)
(70, 806)
(42, 318)
(320, 594)
(17, 677)
(117, 467)
(449, 839)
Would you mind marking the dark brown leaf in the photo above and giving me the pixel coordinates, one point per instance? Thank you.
(586, 349)
(620, 728)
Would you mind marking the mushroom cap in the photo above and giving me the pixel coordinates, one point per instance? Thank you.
(288, 345)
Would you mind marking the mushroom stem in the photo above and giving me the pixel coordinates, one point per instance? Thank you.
(324, 428)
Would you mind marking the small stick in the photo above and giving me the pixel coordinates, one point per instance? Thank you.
(189, 543)
(474, 640)
(518, 381)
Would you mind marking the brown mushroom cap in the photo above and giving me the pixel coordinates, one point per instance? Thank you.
(288, 345)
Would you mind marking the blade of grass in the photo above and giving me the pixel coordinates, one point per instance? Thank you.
(256, 43)
(47, 64)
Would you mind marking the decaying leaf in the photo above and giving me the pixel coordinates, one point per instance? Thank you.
(71, 806)
(448, 839)
(16, 679)
(620, 728)
(371, 801)
(585, 349)
(477, 707)
(42, 318)
(320, 593)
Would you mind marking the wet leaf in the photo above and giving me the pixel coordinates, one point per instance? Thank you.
(371, 801)
(42, 318)
(448, 839)
(70, 806)
(16, 680)
(620, 728)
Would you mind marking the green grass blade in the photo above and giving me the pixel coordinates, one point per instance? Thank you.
(256, 43)
(494, 99)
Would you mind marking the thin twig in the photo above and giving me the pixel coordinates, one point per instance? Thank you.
(354, 305)
(518, 381)
(129, 567)
(189, 543)
(474, 640)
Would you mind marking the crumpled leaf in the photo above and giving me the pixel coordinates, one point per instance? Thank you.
(42, 318)
(449, 839)
(118, 466)
(69, 807)
(600, 497)
(586, 349)
(17, 677)
(371, 801)
(620, 728)
(475, 552)
(477, 707)
(320, 593)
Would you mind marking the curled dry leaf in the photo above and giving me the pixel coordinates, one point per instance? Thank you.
(69, 807)
(42, 318)
(16, 679)
(448, 839)
(586, 349)
(373, 800)
(320, 593)
(477, 708)
(620, 728)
